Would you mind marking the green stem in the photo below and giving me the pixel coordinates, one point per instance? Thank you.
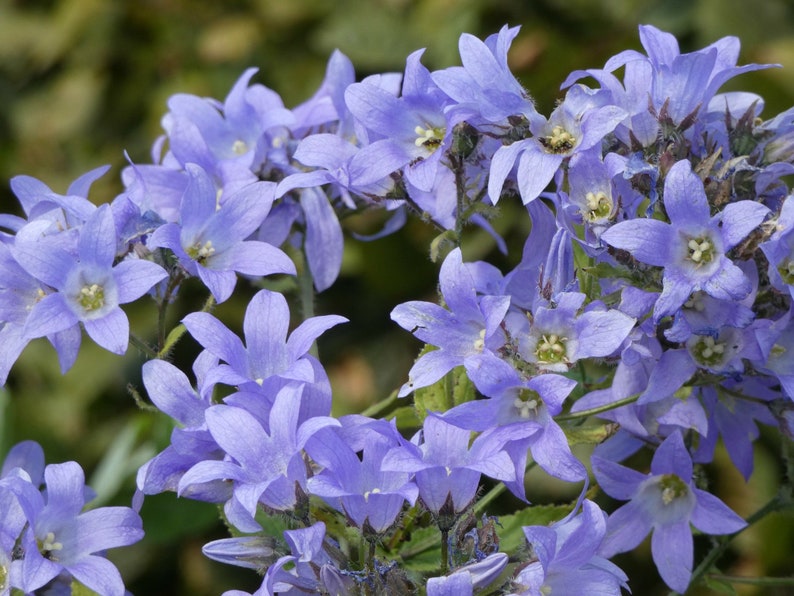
(177, 332)
(306, 290)
(460, 184)
(755, 581)
(143, 347)
(385, 406)
(600, 409)
(444, 551)
(173, 284)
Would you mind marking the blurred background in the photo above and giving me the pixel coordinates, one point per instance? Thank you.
(83, 81)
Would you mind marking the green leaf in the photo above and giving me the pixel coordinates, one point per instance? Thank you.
(589, 435)
(423, 551)
(442, 244)
(509, 528)
(79, 589)
(450, 390)
(719, 586)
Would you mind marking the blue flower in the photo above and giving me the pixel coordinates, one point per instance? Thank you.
(692, 247)
(468, 333)
(484, 87)
(61, 537)
(370, 496)
(210, 241)
(269, 358)
(559, 336)
(416, 129)
(467, 578)
(665, 501)
(447, 468)
(566, 558)
(575, 126)
(665, 83)
(170, 390)
(90, 288)
(519, 413)
(265, 465)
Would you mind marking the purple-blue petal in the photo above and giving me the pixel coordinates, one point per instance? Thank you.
(616, 480)
(648, 240)
(112, 331)
(712, 516)
(216, 338)
(323, 242)
(135, 277)
(672, 548)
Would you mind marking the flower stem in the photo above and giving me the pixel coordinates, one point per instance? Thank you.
(600, 409)
(143, 347)
(306, 293)
(177, 332)
(755, 581)
(444, 551)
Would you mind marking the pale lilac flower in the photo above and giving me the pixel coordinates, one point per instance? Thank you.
(692, 247)
(265, 464)
(447, 467)
(467, 578)
(211, 239)
(370, 496)
(270, 358)
(575, 126)
(566, 559)
(484, 85)
(560, 334)
(90, 288)
(468, 333)
(61, 537)
(663, 502)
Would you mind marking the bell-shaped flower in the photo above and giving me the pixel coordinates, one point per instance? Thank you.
(447, 466)
(567, 560)
(269, 358)
(576, 125)
(90, 288)
(370, 496)
(61, 537)
(211, 239)
(468, 333)
(265, 464)
(664, 502)
(693, 247)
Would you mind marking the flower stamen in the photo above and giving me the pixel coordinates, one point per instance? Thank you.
(430, 137)
(92, 297)
(551, 349)
(559, 141)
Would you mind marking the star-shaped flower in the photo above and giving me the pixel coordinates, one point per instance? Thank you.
(693, 247)
(665, 501)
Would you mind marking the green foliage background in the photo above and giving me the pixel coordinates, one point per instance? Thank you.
(83, 81)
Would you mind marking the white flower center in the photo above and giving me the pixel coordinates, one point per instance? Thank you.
(374, 491)
(239, 147)
(599, 206)
(49, 545)
(551, 349)
(430, 137)
(479, 343)
(700, 251)
(92, 297)
(559, 141)
(201, 253)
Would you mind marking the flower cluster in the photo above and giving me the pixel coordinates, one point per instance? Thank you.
(47, 539)
(654, 292)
